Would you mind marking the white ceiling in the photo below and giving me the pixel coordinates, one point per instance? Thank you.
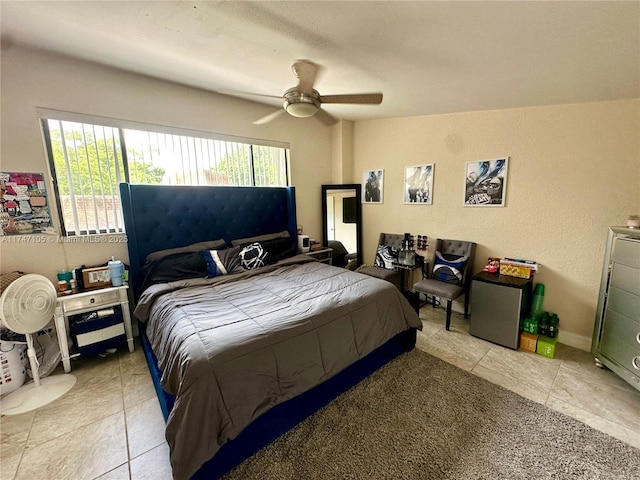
(426, 57)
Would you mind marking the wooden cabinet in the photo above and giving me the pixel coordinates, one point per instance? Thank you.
(616, 335)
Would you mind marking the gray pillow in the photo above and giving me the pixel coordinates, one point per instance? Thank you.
(195, 247)
(260, 238)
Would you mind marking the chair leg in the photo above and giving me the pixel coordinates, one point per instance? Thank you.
(433, 301)
(466, 305)
(448, 324)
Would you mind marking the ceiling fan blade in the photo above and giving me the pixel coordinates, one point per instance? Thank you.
(326, 118)
(237, 93)
(306, 71)
(268, 118)
(363, 98)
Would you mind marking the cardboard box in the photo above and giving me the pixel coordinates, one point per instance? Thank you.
(515, 271)
(546, 346)
(98, 277)
(528, 341)
(518, 268)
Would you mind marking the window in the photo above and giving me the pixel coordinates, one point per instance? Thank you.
(89, 156)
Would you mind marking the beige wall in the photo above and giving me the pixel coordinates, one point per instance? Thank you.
(573, 171)
(31, 79)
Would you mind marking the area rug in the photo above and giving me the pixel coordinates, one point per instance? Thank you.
(422, 418)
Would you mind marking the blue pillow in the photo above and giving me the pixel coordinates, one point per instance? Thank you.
(449, 268)
(222, 262)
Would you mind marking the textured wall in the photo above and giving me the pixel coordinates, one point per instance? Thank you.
(573, 171)
(31, 79)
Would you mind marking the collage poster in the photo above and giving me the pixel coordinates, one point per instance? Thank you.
(24, 208)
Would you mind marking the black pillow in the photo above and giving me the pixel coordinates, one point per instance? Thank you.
(277, 248)
(280, 248)
(177, 266)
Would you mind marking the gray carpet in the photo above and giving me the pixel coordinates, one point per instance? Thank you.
(421, 418)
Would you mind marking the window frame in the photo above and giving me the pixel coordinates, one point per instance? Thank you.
(45, 115)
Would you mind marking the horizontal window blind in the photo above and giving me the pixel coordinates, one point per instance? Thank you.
(88, 160)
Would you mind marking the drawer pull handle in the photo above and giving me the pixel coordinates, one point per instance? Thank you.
(638, 337)
(92, 300)
(636, 362)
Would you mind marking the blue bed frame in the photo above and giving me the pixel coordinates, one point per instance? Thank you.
(157, 217)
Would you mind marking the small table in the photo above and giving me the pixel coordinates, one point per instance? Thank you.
(413, 297)
(89, 301)
(324, 255)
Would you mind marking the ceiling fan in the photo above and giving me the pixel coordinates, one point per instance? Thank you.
(305, 101)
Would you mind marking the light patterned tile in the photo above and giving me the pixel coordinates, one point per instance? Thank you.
(524, 373)
(14, 432)
(92, 398)
(137, 388)
(632, 437)
(152, 465)
(145, 427)
(455, 347)
(85, 453)
(612, 399)
(119, 473)
(9, 467)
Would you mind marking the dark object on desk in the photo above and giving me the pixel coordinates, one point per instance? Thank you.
(499, 304)
(451, 274)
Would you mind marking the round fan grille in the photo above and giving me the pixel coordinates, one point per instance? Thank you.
(28, 304)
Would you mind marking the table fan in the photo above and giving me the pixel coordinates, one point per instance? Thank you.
(27, 306)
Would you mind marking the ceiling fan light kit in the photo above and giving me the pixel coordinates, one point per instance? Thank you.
(304, 101)
(301, 105)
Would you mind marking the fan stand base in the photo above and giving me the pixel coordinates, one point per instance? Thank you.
(29, 396)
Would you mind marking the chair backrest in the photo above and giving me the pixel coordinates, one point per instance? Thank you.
(459, 248)
(393, 240)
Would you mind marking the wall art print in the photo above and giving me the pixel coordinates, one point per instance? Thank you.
(372, 186)
(418, 184)
(486, 183)
(24, 208)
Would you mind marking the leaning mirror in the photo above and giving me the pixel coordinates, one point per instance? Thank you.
(342, 223)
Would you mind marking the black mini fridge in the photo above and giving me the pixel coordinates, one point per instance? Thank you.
(498, 305)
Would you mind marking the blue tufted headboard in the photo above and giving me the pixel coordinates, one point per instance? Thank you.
(157, 217)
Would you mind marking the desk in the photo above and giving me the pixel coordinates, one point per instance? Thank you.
(413, 297)
(89, 301)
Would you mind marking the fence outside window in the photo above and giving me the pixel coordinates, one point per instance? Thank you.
(90, 156)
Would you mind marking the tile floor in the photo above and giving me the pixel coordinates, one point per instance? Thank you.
(109, 426)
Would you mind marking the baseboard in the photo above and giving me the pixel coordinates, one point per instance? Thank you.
(574, 340)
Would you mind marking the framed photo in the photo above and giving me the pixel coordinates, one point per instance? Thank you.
(486, 183)
(372, 186)
(418, 184)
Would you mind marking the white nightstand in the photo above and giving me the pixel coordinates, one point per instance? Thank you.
(89, 301)
(324, 255)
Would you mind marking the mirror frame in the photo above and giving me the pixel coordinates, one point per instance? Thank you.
(344, 186)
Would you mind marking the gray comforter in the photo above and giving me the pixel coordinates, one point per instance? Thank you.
(231, 347)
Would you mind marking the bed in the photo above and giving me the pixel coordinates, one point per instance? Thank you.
(246, 351)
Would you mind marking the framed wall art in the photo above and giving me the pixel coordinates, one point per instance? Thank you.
(486, 183)
(418, 184)
(372, 186)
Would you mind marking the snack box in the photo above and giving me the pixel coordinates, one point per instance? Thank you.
(518, 268)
